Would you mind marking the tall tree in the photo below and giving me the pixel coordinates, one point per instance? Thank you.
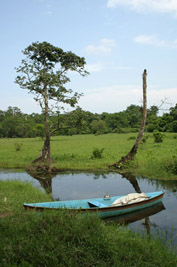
(133, 151)
(44, 72)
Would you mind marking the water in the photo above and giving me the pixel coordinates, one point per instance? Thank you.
(69, 186)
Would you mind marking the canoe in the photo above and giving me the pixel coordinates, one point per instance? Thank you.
(104, 207)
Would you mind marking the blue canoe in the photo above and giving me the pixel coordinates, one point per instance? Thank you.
(104, 207)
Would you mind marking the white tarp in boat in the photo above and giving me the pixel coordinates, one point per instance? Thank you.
(129, 199)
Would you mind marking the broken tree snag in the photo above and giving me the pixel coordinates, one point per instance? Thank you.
(133, 151)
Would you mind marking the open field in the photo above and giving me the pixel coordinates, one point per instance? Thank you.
(155, 160)
(61, 239)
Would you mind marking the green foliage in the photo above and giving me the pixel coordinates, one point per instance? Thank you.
(97, 153)
(16, 124)
(45, 67)
(39, 130)
(13, 123)
(153, 123)
(98, 126)
(174, 126)
(153, 111)
(171, 166)
(158, 137)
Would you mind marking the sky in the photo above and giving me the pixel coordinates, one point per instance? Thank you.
(118, 38)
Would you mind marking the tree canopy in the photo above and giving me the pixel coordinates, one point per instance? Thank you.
(44, 72)
(46, 68)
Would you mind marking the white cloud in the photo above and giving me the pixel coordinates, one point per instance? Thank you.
(24, 102)
(103, 99)
(149, 39)
(105, 47)
(100, 66)
(97, 67)
(153, 40)
(109, 99)
(118, 98)
(146, 5)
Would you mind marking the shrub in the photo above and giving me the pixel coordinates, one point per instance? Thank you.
(144, 139)
(97, 153)
(158, 137)
(172, 166)
(18, 146)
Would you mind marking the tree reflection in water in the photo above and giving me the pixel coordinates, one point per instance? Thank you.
(132, 179)
(45, 181)
(143, 214)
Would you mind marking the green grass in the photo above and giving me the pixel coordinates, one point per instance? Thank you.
(14, 193)
(61, 239)
(75, 153)
(157, 160)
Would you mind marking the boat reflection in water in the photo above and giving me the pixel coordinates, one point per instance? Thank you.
(128, 218)
(137, 215)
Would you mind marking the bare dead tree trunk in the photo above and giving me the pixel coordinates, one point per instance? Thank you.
(133, 151)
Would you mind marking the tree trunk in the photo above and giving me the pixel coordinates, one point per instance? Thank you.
(46, 147)
(133, 151)
(45, 152)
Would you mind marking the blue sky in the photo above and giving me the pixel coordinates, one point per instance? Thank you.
(118, 38)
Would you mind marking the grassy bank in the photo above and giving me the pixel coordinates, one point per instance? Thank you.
(14, 193)
(59, 239)
(156, 160)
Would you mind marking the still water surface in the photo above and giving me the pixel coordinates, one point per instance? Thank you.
(69, 186)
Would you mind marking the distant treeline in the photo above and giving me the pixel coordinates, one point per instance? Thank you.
(14, 123)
